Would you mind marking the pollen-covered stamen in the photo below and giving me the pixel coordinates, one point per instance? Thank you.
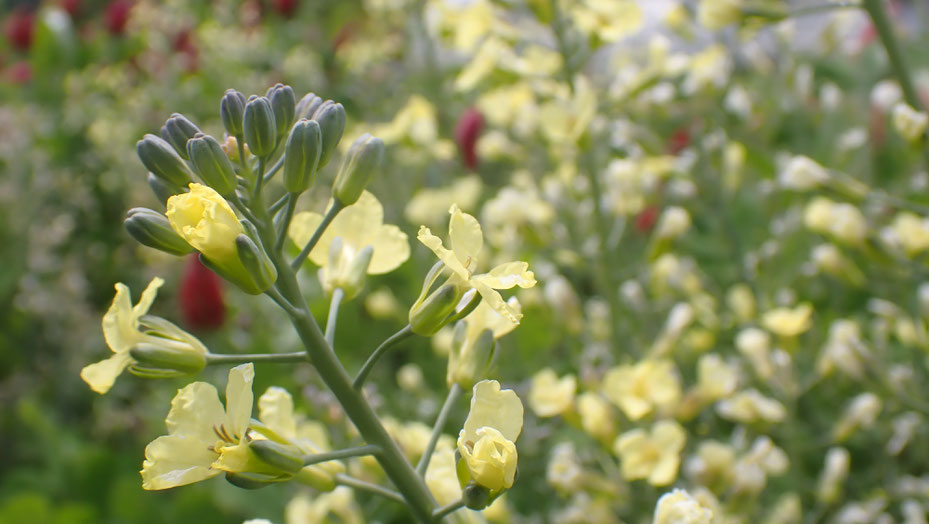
(224, 435)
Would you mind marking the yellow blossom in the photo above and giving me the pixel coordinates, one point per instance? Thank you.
(486, 443)
(429, 205)
(357, 227)
(467, 240)
(679, 507)
(638, 389)
(788, 322)
(550, 396)
(566, 118)
(842, 221)
(441, 476)
(717, 14)
(416, 121)
(126, 327)
(596, 416)
(911, 232)
(861, 413)
(609, 20)
(716, 378)
(469, 356)
(340, 502)
(751, 406)
(204, 219)
(653, 455)
(712, 464)
(910, 123)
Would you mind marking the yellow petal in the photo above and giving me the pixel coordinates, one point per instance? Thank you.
(101, 375)
(239, 398)
(276, 410)
(302, 227)
(485, 317)
(148, 296)
(505, 276)
(119, 324)
(441, 477)
(391, 248)
(235, 459)
(491, 407)
(195, 411)
(175, 460)
(466, 237)
(448, 257)
(494, 300)
(205, 220)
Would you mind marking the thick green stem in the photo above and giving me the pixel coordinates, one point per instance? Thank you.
(394, 339)
(444, 511)
(453, 394)
(331, 213)
(299, 356)
(360, 451)
(337, 296)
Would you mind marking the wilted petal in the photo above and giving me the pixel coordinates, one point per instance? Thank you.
(195, 412)
(495, 301)
(508, 275)
(448, 257)
(465, 235)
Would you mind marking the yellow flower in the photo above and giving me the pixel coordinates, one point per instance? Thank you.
(462, 259)
(441, 477)
(550, 396)
(204, 219)
(429, 205)
(842, 221)
(486, 443)
(566, 117)
(340, 502)
(910, 123)
(126, 327)
(470, 356)
(788, 322)
(416, 120)
(751, 406)
(717, 14)
(642, 388)
(596, 416)
(654, 455)
(911, 232)
(716, 378)
(678, 507)
(358, 226)
(204, 439)
(610, 20)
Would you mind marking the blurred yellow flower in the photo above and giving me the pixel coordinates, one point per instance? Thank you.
(609, 20)
(467, 240)
(596, 415)
(751, 406)
(469, 357)
(842, 221)
(565, 118)
(416, 121)
(429, 205)
(486, 443)
(716, 379)
(788, 322)
(911, 232)
(340, 502)
(717, 14)
(441, 476)
(910, 123)
(678, 507)
(639, 389)
(550, 396)
(204, 219)
(653, 455)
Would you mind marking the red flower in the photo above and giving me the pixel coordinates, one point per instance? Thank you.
(679, 140)
(201, 296)
(116, 16)
(185, 46)
(286, 8)
(645, 221)
(467, 131)
(19, 29)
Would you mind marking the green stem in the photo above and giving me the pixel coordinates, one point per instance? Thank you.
(337, 296)
(285, 221)
(331, 213)
(444, 511)
(821, 8)
(274, 169)
(240, 143)
(453, 394)
(359, 451)
(359, 484)
(284, 303)
(213, 358)
(394, 339)
(259, 179)
(276, 206)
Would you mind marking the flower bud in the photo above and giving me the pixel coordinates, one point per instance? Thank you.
(301, 155)
(162, 188)
(361, 162)
(232, 110)
(346, 269)
(468, 364)
(169, 359)
(212, 164)
(331, 119)
(283, 103)
(259, 126)
(162, 160)
(288, 459)
(177, 131)
(257, 265)
(307, 106)
(429, 315)
(254, 480)
(151, 228)
(317, 478)
(475, 497)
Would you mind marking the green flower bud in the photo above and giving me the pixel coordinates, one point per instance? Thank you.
(151, 228)
(177, 131)
(429, 315)
(254, 480)
(161, 159)
(331, 118)
(301, 156)
(288, 459)
(475, 497)
(162, 188)
(259, 126)
(308, 105)
(169, 359)
(283, 103)
(361, 162)
(316, 478)
(468, 364)
(232, 110)
(212, 164)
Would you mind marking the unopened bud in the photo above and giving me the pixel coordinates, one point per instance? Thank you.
(254, 480)
(301, 155)
(331, 119)
(469, 362)
(162, 160)
(429, 315)
(257, 265)
(288, 459)
(212, 164)
(259, 126)
(307, 106)
(177, 131)
(475, 497)
(361, 162)
(283, 103)
(151, 228)
(170, 359)
(162, 188)
(232, 110)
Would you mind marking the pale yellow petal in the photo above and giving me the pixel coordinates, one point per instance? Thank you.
(195, 411)
(119, 328)
(391, 248)
(302, 227)
(494, 408)
(239, 398)
(466, 237)
(101, 375)
(148, 296)
(276, 410)
(495, 301)
(234, 459)
(505, 276)
(175, 460)
(665, 470)
(448, 257)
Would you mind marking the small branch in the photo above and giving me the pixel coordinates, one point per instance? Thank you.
(275, 207)
(352, 482)
(279, 299)
(246, 170)
(331, 213)
(360, 451)
(453, 394)
(259, 178)
(394, 339)
(444, 511)
(285, 221)
(274, 169)
(237, 202)
(333, 317)
(213, 358)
